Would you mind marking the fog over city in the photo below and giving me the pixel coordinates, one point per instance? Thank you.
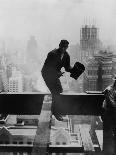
(47, 22)
(51, 20)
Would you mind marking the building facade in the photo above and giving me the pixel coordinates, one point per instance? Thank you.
(89, 41)
(99, 72)
(16, 81)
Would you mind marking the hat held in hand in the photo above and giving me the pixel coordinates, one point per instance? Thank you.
(77, 70)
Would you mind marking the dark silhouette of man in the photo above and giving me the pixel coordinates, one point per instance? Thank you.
(51, 72)
(109, 119)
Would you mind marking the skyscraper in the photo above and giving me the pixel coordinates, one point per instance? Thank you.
(98, 74)
(4, 74)
(16, 81)
(32, 50)
(89, 40)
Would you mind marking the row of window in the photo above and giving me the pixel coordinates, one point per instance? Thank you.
(15, 153)
(88, 36)
(60, 153)
(16, 142)
(107, 72)
(94, 72)
(58, 143)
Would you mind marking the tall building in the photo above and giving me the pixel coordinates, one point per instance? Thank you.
(9, 70)
(90, 75)
(16, 81)
(98, 74)
(32, 50)
(15, 84)
(4, 74)
(89, 41)
(114, 65)
(105, 72)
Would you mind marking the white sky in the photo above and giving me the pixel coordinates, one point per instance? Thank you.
(52, 20)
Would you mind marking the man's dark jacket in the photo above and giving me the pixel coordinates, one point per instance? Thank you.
(51, 70)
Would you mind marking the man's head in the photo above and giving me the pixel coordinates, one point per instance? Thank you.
(63, 44)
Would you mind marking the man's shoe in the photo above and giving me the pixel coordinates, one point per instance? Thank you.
(58, 117)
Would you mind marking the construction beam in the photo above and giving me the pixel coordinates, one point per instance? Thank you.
(65, 149)
(21, 103)
(50, 149)
(15, 149)
(79, 104)
(66, 103)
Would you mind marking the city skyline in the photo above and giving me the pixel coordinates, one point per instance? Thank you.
(52, 20)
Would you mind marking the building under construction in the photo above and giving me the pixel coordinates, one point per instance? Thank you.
(89, 41)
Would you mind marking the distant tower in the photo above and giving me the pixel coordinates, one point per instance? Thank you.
(89, 40)
(4, 74)
(32, 49)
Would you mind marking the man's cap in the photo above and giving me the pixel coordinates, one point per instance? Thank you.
(63, 43)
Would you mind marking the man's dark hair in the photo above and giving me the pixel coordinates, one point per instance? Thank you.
(63, 43)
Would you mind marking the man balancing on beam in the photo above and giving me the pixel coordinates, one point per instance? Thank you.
(109, 118)
(51, 72)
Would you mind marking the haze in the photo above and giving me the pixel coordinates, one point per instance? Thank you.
(52, 20)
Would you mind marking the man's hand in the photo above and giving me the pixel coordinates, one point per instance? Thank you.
(60, 74)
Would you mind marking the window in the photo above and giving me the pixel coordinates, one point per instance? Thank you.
(57, 143)
(29, 143)
(21, 142)
(6, 142)
(64, 143)
(14, 142)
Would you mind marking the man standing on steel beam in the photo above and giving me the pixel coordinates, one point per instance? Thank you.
(51, 72)
(109, 119)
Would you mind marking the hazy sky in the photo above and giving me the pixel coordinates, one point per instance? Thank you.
(52, 20)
